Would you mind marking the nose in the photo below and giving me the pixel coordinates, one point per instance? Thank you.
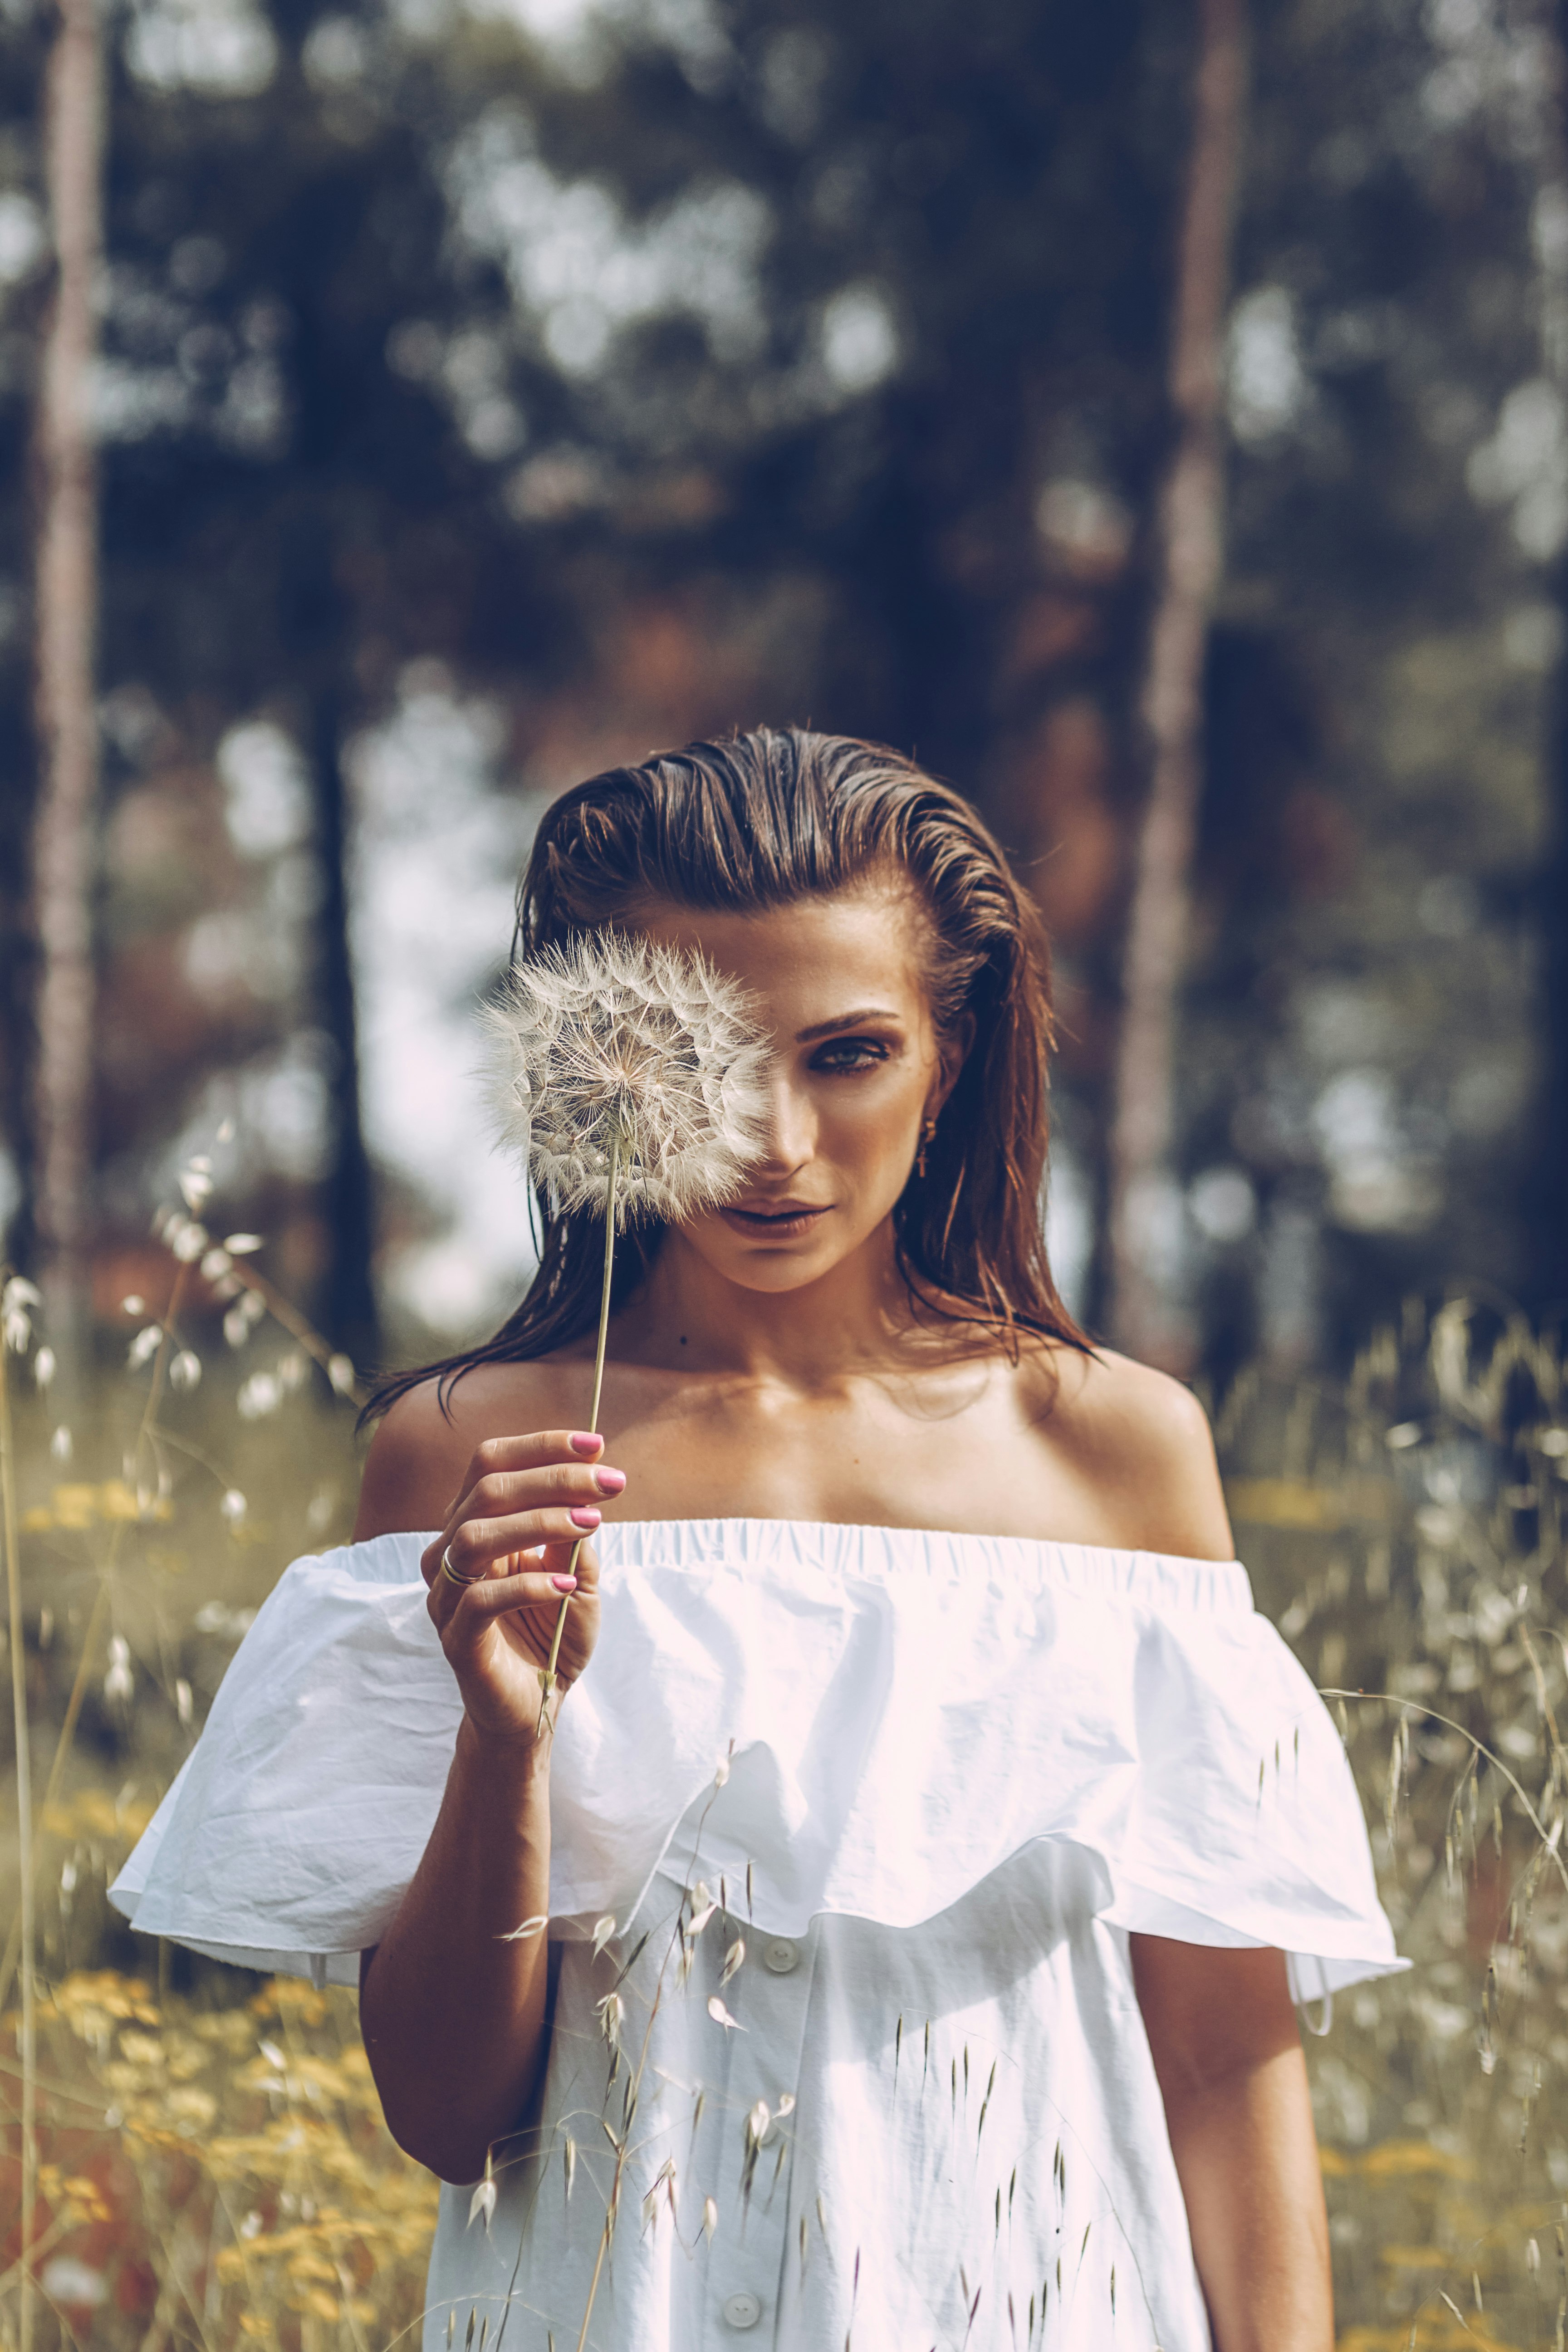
(790, 1136)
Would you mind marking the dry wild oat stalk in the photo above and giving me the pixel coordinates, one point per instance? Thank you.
(627, 1078)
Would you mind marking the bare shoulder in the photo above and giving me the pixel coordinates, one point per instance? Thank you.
(419, 1456)
(1142, 1440)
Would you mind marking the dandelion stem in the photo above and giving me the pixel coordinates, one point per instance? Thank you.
(547, 1679)
(25, 1840)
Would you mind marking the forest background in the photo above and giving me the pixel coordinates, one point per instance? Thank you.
(483, 393)
(1154, 415)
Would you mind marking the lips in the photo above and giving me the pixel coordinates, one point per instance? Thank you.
(781, 1221)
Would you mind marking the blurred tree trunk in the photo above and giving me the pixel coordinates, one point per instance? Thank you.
(348, 1300)
(65, 835)
(1144, 1316)
(1547, 1209)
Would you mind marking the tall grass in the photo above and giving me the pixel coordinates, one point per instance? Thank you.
(211, 2168)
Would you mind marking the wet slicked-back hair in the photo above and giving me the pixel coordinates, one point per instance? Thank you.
(757, 821)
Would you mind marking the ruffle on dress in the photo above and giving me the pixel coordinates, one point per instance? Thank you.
(900, 1711)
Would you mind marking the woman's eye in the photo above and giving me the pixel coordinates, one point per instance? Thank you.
(849, 1054)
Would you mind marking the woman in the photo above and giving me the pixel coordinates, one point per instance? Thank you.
(932, 1842)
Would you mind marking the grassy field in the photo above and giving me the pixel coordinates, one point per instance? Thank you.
(211, 2168)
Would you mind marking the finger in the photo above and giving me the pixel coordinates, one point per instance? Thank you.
(471, 1613)
(550, 1575)
(529, 1451)
(502, 1492)
(476, 1545)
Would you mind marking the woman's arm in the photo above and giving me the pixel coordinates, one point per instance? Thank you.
(454, 2010)
(1229, 2057)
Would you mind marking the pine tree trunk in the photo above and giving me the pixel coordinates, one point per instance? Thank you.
(347, 1307)
(1546, 1201)
(65, 835)
(1144, 1316)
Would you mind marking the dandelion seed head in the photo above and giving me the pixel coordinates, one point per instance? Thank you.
(185, 1372)
(134, 1304)
(61, 1445)
(188, 1241)
(614, 1046)
(233, 1506)
(44, 1367)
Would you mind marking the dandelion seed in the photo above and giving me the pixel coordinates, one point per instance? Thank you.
(62, 1446)
(721, 2015)
(242, 1244)
(710, 2219)
(534, 1926)
(187, 1242)
(144, 1346)
(182, 1703)
(603, 1931)
(699, 1919)
(732, 1959)
(43, 1368)
(483, 2201)
(215, 1265)
(757, 2123)
(785, 2105)
(233, 1506)
(186, 1370)
(341, 1374)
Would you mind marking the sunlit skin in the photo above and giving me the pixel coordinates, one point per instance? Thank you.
(773, 1367)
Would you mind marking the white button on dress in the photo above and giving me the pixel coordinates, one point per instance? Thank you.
(960, 1772)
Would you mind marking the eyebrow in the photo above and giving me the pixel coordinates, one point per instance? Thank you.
(844, 1021)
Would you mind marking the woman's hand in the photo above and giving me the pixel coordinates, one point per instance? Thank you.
(524, 1504)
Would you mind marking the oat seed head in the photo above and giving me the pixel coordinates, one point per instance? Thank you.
(612, 1036)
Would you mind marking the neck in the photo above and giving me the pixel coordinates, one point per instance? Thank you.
(688, 1318)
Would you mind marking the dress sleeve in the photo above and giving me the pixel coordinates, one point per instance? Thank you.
(1245, 1826)
(298, 1820)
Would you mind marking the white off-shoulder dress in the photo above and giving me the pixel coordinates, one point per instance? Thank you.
(858, 2061)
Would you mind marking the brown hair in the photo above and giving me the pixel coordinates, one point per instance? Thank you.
(756, 821)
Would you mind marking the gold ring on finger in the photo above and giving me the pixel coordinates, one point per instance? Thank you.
(450, 1573)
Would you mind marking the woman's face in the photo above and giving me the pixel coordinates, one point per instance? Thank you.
(856, 1071)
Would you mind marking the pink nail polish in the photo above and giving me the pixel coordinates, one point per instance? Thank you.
(584, 1516)
(609, 1482)
(564, 1583)
(583, 1441)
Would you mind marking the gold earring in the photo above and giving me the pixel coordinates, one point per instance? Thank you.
(927, 1131)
